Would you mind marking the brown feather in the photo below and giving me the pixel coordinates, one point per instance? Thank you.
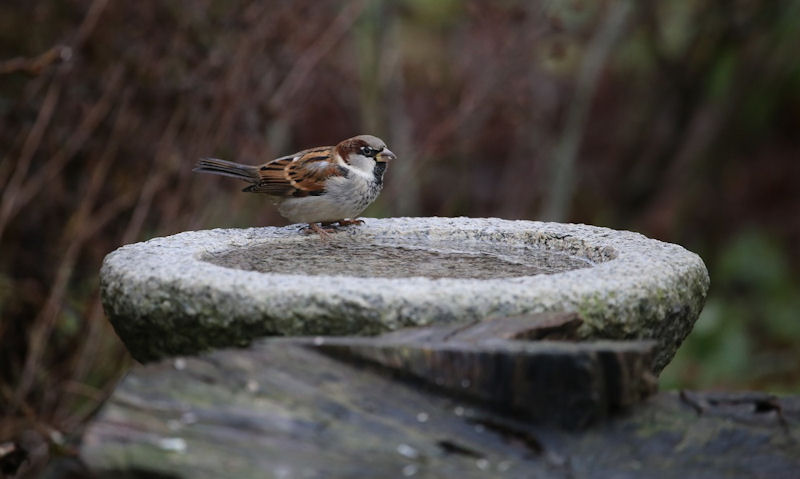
(301, 174)
(216, 166)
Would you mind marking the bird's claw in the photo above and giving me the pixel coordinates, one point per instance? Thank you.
(323, 233)
(344, 222)
(325, 228)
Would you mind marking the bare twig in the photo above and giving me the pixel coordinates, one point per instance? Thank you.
(562, 176)
(28, 412)
(44, 322)
(401, 130)
(84, 357)
(299, 74)
(32, 142)
(89, 22)
(74, 418)
(154, 182)
(36, 65)
(55, 165)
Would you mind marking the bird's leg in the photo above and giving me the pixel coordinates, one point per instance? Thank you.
(344, 222)
(323, 233)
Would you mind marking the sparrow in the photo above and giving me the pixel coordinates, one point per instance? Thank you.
(326, 185)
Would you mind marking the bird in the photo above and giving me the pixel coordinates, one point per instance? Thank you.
(325, 185)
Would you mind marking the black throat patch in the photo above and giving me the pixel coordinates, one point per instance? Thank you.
(378, 170)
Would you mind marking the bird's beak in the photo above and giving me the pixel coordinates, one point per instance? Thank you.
(386, 155)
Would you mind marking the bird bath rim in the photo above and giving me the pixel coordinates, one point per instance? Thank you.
(163, 298)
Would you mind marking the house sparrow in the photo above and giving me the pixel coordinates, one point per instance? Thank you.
(323, 185)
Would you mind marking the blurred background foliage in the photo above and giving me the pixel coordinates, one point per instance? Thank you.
(677, 119)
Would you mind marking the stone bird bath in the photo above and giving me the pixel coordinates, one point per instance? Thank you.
(419, 347)
(200, 290)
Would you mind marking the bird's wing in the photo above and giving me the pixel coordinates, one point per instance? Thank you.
(301, 174)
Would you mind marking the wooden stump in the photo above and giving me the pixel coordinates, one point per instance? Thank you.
(494, 402)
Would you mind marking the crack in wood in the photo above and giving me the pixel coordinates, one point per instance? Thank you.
(451, 447)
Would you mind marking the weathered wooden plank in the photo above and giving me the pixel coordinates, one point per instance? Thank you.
(553, 326)
(496, 364)
(567, 384)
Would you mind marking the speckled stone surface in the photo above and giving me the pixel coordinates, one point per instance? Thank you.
(203, 289)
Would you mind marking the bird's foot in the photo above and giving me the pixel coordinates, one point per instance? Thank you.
(344, 222)
(323, 233)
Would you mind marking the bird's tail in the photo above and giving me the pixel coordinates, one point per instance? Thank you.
(215, 166)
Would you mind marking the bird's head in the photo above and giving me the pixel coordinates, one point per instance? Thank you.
(364, 151)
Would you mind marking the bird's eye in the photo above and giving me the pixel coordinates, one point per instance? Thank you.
(367, 151)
